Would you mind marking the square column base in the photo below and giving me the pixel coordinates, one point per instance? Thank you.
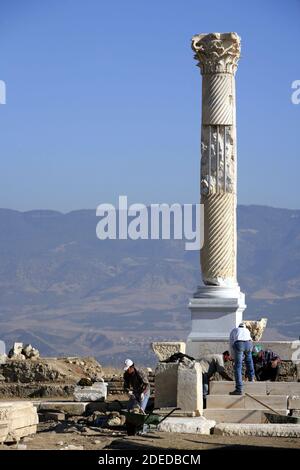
(215, 311)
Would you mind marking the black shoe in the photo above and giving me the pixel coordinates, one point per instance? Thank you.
(235, 392)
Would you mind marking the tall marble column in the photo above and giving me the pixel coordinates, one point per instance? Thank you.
(218, 305)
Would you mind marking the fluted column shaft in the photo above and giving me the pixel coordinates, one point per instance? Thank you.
(217, 56)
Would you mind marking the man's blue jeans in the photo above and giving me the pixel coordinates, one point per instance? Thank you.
(241, 349)
(205, 382)
(135, 400)
(144, 402)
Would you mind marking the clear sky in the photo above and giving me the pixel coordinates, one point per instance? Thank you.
(103, 98)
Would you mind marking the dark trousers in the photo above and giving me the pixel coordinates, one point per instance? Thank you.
(266, 372)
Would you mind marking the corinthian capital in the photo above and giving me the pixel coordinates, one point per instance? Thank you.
(217, 52)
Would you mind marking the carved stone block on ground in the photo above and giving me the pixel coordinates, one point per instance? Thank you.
(261, 430)
(189, 388)
(197, 425)
(165, 349)
(166, 378)
(97, 392)
(17, 419)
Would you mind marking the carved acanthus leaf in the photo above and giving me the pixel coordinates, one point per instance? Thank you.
(217, 52)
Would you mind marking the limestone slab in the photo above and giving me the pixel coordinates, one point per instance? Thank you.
(70, 408)
(166, 377)
(223, 387)
(277, 402)
(97, 392)
(28, 419)
(236, 415)
(189, 388)
(17, 434)
(17, 419)
(261, 430)
(197, 425)
(294, 403)
(283, 388)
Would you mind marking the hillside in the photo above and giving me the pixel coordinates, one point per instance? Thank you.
(69, 293)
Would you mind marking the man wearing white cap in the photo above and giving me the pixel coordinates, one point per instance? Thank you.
(241, 347)
(136, 381)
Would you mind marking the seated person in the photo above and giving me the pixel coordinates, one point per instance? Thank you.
(266, 364)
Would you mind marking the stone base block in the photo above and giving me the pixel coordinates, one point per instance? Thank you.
(261, 430)
(220, 402)
(97, 392)
(17, 434)
(222, 387)
(294, 403)
(237, 416)
(177, 385)
(215, 311)
(189, 388)
(198, 425)
(166, 377)
(17, 419)
(69, 408)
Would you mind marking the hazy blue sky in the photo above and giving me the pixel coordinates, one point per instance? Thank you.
(103, 98)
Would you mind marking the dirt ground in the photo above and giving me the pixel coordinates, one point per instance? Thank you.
(118, 440)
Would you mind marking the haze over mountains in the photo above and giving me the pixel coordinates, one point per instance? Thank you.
(68, 293)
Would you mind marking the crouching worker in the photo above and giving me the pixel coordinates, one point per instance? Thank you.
(212, 363)
(266, 364)
(136, 384)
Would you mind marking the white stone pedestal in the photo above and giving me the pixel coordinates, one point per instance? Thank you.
(177, 385)
(215, 311)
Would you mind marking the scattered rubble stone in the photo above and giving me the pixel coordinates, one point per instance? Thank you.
(21, 352)
(118, 420)
(16, 350)
(97, 392)
(85, 382)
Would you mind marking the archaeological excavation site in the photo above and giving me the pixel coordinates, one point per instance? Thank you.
(149, 233)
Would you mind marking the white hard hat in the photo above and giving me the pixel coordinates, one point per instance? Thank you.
(128, 363)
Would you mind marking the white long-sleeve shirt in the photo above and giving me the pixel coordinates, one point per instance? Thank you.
(239, 334)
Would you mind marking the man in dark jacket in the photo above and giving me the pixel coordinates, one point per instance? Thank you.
(136, 384)
(266, 364)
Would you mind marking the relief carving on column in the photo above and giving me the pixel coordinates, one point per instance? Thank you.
(217, 55)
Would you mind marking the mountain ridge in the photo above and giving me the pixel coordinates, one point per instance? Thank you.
(58, 279)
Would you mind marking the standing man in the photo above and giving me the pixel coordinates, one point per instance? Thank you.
(241, 346)
(136, 383)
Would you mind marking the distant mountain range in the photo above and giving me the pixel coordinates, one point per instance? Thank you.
(68, 293)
